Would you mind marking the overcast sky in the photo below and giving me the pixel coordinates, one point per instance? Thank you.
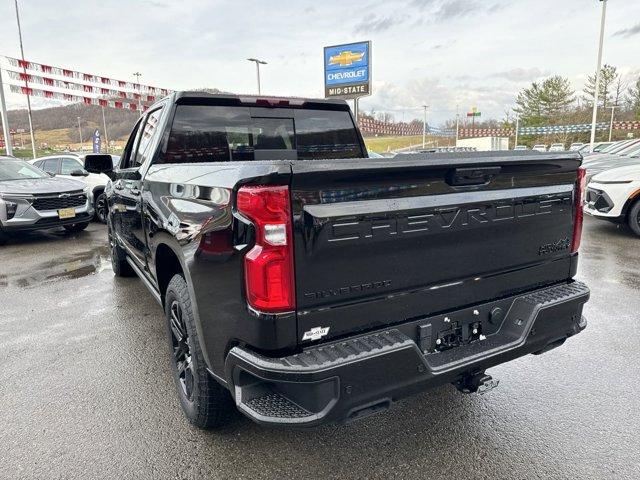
(442, 52)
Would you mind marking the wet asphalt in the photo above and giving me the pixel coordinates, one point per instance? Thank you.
(85, 390)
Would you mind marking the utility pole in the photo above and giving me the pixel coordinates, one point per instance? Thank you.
(596, 93)
(613, 108)
(80, 131)
(261, 62)
(517, 127)
(457, 123)
(5, 120)
(106, 136)
(424, 127)
(26, 84)
(138, 75)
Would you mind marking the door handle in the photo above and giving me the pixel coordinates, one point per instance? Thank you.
(472, 176)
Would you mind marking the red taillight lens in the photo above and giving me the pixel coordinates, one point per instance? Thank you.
(268, 266)
(579, 203)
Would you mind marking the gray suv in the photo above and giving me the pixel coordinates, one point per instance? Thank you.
(31, 199)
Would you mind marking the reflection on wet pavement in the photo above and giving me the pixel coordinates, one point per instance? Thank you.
(73, 266)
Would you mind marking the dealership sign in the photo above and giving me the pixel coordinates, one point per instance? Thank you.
(347, 70)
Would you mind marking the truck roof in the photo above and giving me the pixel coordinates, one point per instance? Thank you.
(200, 98)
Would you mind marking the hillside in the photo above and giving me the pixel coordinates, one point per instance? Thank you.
(59, 125)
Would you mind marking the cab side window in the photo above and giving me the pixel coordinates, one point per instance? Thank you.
(150, 132)
(70, 165)
(50, 165)
(125, 160)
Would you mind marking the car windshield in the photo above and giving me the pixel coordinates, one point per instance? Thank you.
(634, 153)
(18, 170)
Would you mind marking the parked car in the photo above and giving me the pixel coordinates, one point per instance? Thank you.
(71, 165)
(556, 147)
(520, 147)
(575, 146)
(615, 195)
(321, 290)
(540, 148)
(31, 199)
(626, 154)
(585, 149)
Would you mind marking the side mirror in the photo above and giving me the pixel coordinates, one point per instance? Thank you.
(99, 163)
(79, 173)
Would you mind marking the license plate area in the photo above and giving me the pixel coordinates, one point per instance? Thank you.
(462, 327)
(65, 213)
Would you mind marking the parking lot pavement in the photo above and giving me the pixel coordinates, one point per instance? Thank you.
(85, 390)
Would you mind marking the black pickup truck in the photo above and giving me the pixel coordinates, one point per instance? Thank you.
(308, 284)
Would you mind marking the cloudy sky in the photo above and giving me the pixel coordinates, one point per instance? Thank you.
(442, 52)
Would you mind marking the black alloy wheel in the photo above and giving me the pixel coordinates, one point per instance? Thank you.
(181, 351)
(100, 207)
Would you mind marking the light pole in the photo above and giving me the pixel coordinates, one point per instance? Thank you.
(26, 84)
(80, 132)
(138, 75)
(258, 63)
(596, 93)
(517, 127)
(106, 136)
(424, 127)
(457, 123)
(613, 108)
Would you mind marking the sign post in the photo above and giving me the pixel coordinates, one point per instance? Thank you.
(473, 114)
(347, 72)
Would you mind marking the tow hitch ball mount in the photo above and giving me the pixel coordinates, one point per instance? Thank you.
(480, 383)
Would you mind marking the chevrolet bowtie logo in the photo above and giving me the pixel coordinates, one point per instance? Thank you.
(346, 58)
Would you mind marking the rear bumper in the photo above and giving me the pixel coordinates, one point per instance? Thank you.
(349, 379)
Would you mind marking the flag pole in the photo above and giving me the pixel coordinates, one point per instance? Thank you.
(26, 83)
(5, 119)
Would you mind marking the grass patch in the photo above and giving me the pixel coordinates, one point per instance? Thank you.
(385, 144)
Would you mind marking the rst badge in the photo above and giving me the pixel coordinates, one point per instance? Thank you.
(316, 333)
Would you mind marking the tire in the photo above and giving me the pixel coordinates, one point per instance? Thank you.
(634, 218)
(119, 264)
(205, 402)
(76, 227)
(100, 207)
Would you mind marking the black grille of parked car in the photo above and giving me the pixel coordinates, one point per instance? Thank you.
(56, 202)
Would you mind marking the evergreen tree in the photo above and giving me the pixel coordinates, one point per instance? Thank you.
(608, 77)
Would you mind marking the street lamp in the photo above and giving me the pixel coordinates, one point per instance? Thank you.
(613, 108)
(258, 63)
(80, 131)
(424, 127)
(596, 93)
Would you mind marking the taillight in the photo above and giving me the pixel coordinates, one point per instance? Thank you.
(579, 215)
(268, 266)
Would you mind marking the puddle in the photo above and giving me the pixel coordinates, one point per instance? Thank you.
(65, 268)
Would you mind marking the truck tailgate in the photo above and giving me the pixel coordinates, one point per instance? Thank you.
(383, 241)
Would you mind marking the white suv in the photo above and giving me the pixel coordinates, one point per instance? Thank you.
(71, 165)
(615, 195)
